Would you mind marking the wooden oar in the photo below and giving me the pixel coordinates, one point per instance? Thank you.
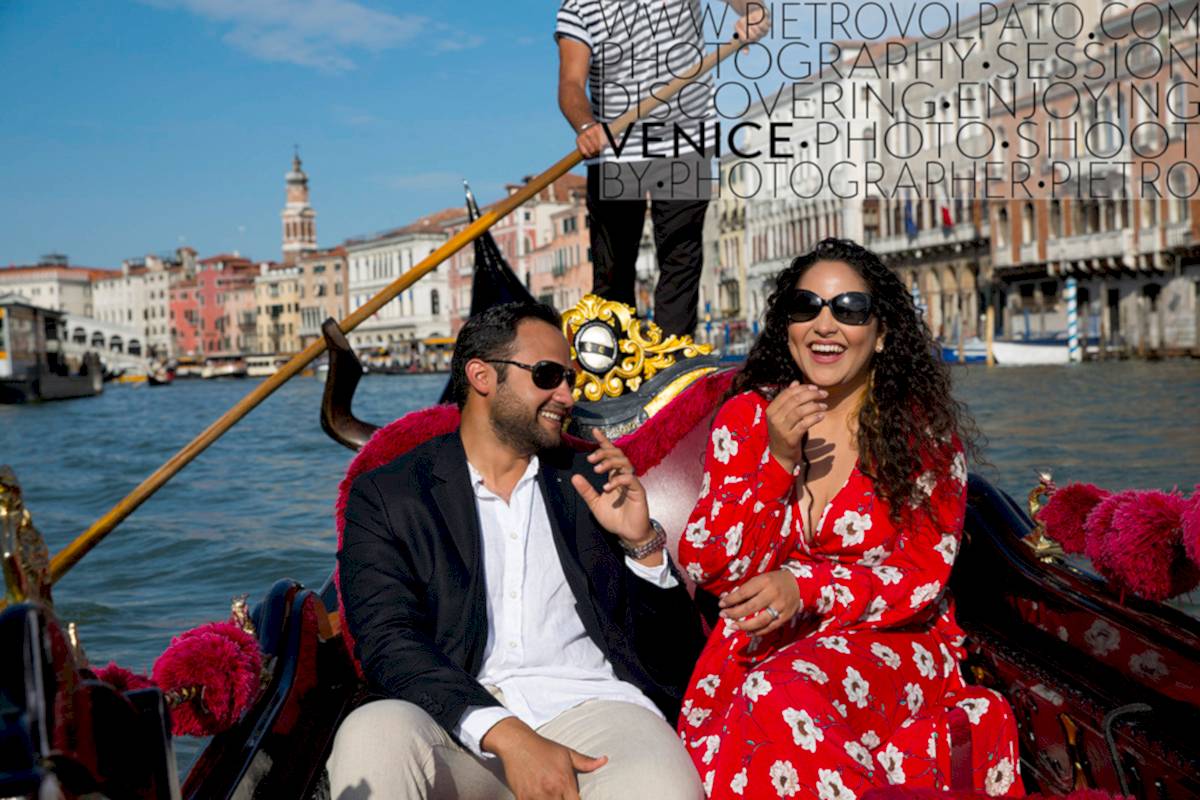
(77, 549)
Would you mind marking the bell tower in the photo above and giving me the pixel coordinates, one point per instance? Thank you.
(299, 219)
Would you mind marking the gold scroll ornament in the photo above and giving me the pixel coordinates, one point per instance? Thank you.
(645, 350)
(26, 559)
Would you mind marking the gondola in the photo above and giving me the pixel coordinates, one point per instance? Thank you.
(1104, 685)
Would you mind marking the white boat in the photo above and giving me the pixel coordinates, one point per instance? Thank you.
(264, 366)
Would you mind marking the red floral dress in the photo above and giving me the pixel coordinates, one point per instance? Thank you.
(855, 692)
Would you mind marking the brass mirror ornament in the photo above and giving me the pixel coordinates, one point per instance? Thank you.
(1042, 545)
(26, 559)
(618, 351)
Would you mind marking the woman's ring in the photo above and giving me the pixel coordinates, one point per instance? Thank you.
(774, 614)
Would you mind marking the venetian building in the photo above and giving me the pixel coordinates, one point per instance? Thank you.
(299, 218)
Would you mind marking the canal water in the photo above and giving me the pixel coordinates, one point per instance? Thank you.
(258, 504)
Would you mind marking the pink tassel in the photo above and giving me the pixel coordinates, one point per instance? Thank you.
(1067, 510)
(220, 660)
(1098, 528)
(121, 679)
(1190, 527)
(1145, 546)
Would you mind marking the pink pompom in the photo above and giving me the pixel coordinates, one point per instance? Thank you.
(121, 679)
(1146, 548)
(220, 660)
(1190, 527)
(1098, 532)
(1065, 513)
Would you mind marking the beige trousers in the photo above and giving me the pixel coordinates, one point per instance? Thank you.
(391, 749)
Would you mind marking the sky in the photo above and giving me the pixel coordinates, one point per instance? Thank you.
(130, 127)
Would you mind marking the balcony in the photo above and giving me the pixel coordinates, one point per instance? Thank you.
(1104, 244)
(1029, 253)
(1179, 234)
(926, 238)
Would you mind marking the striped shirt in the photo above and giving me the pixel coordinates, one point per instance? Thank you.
(638, 46)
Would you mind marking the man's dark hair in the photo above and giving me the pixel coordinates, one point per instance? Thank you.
(489, 335)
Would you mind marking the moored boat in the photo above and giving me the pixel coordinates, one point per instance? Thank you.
(36, 358)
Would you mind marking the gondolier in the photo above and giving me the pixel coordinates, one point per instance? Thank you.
(610, 55)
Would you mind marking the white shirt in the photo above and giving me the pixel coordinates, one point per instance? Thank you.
(537, 653)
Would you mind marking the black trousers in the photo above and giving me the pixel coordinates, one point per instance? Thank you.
(616, 232)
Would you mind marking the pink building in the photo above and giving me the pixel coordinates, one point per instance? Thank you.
(207, 311)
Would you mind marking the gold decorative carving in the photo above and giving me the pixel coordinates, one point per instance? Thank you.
(643, 350)
(1042, 545)
(25, 557)
(76, 645)
(240, 614)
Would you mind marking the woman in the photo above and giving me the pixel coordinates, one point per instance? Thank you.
(830, 514)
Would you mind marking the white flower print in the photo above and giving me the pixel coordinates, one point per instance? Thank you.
(696, 716)
(758, 412)
(758, 506)
(1046, 693)
(708, 782)
(892, 761)
(705, 485)
(931, 748)
(696, 533)
(724, 445)
(870, 740)
(835, 643)
(711, 745)
(852, 527)
(798, 569)
(738, 784)
(857, 688)
(948, 662)
(1102, 638)
(695, 572)
(887, 575)
(874, 557)
(948, 547)
(924, 484)
(766, 561)
(860, 754)
(875, 610)
(811, 670)
(708, 684)
(924, 661)
(842, 594)
(738, 567)
(924, 593)
(830, 786)
(715, 511)
(840, 572)
(733, 540)
(785, 779)
(958, 468)
(999, 778)
(1149, 665)
(886, 654)
(826, 599)
(805, 732)
(975, 707)
(840, 707)
(914, 698)
(1063, 633)
(756, 686)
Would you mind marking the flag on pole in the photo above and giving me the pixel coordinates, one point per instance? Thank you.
(910, 226)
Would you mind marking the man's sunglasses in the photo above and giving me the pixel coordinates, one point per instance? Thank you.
(848, 308)
(546, 374)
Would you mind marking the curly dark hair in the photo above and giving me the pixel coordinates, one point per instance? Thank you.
(909, 415)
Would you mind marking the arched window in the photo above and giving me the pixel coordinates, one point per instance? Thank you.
(97, 339)
(115, 344)
(135, 347)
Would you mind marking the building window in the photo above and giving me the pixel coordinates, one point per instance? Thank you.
(435, 305)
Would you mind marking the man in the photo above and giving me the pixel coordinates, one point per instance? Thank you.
(621, 49)
(512, 601)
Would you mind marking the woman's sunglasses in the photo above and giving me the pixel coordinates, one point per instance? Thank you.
(848, 308)
(546, 375)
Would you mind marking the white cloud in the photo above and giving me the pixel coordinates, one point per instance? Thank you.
(313, 33)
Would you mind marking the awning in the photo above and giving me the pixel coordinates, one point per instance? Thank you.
(436, 341)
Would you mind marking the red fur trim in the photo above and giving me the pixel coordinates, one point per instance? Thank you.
(1190, 527)
(903, 793)
(121, 679)
(221, 658)
(1098, 528)
(1065, 513)
(1146, 551)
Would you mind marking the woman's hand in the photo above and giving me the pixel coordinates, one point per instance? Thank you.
(748, 603)
(789, 416)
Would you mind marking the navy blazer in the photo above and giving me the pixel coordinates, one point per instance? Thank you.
(412, 585)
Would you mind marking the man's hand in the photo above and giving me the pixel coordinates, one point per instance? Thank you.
(622, 508)
(748, 603)
(789, 416)
(534, 766)
(754, 24)
(592, 140)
